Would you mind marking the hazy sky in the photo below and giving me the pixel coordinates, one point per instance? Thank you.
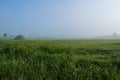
(60, 18)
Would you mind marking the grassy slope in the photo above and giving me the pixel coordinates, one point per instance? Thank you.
(60, 60)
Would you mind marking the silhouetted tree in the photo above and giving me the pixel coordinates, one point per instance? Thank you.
(5, 34)
(19, 37)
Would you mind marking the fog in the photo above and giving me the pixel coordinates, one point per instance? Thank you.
(60, 18)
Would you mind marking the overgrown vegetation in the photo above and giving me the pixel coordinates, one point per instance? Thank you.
(60, 60)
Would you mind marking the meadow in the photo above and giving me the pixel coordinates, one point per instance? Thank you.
(59, 59)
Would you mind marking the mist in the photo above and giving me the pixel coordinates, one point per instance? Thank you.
(64, 18)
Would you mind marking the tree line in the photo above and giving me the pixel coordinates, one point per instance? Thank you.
(17, 37)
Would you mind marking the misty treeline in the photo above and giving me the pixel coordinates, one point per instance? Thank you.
(17, 37)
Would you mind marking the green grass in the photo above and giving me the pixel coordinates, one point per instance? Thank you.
(60, 60)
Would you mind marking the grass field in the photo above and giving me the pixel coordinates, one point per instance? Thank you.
(60, 60)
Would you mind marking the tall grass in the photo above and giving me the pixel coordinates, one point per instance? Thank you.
(60, 60)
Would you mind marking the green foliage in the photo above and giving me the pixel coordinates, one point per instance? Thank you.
(60, 60)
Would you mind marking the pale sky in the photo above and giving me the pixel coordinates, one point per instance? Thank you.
(60, 18)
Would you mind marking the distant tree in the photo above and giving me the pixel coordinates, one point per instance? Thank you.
(5, 34)
(19, 37)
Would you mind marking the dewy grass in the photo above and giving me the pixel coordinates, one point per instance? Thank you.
(60, 60)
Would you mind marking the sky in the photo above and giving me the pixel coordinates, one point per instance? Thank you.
(60, 18)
